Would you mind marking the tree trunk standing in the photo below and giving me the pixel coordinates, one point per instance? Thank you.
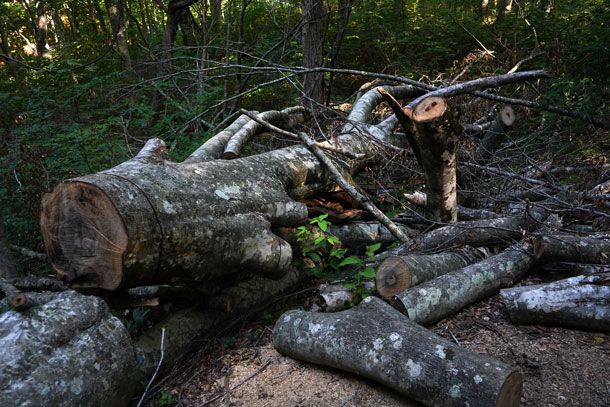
(42, 43)
(142, 10)
(60, 25)
(504, 8)
(117, 22)
(437, 136)
(314, 31)
(345, 10)
(376, 341)
(95, 6)
(484, 9)
(7, 264)
(579, 302)
(4, 44)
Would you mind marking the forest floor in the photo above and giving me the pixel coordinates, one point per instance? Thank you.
(560, 367)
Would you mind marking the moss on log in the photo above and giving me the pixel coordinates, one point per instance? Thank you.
(376, 341)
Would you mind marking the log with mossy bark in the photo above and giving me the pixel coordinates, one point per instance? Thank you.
(581, 302)
(436, 299)
(398, 273)
(151, 221)
(376, 341)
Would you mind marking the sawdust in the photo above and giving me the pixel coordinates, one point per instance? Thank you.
(561, 367)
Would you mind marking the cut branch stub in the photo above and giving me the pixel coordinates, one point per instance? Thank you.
(429, 109)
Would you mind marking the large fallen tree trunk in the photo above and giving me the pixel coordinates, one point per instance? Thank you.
(150, 220)
(580, 302)
(376, 341)
(436, 299)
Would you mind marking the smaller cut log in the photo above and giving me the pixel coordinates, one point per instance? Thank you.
(337, 297)
(483, 232)
(445, 295)
(496, 134)
(396, 274)
(578, 302)
(376, 341)
(575, 248)
(576, 269)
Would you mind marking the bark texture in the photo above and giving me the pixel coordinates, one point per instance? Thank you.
(575, 249)
(68, 352)
(578, 302)
(495, 135)
(7, 264)
(445, 295)
(396, 274)
(314, 31)
(377, 342)
(149, 220)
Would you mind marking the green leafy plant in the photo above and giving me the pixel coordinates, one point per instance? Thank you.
(167, 399)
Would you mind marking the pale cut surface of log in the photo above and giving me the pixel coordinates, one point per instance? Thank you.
(376, 341)
(68, 352)
(436, 299)
(496, 134)
(396, 274)
(581, 302)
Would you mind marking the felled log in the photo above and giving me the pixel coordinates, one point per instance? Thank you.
(576, 269)
(575, 248)
(436, 299)
(337, 297)
(149, 220)
(375, 341)
(579, 302)
(396, 274)
(484, 232)
(68, 352)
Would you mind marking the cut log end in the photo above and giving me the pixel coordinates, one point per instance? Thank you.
(393, 277)
(84, 236)
(429, 109)
(507, 115)
(510, 393)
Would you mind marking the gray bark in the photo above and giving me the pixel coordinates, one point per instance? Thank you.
(475, 233)
(375, 341)
(445, 295)
(42, 42)
(396, 274)
(575, 249)
(579, 302)
(68, 352)
(150, 220)
(117, 22)
(495, 135)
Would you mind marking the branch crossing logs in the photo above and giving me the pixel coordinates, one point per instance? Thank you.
(376, 341)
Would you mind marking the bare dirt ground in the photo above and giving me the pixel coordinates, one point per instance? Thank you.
(560, 367)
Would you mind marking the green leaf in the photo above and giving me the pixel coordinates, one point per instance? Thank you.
(350, 260)
(350, 285)
(368, 272)
(332, 240)
(318, 240)
(323, 225)
(315, 257)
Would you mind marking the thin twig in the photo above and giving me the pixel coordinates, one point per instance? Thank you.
(156, 370)
(337, 177)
